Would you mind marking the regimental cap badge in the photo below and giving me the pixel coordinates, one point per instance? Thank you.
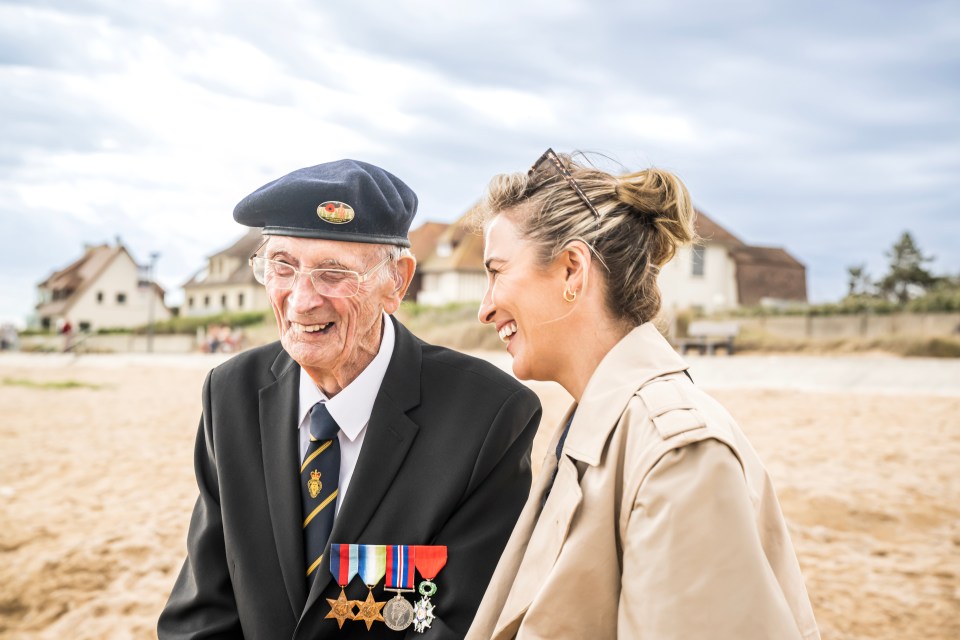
(335, 212)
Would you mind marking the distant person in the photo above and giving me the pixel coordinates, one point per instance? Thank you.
(349, 430)
(8, 337)
(213, 338)
(652, 516)
(66, 330)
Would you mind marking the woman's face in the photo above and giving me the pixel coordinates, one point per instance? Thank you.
(524, 301)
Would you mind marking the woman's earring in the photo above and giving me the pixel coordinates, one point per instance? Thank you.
(569, 296)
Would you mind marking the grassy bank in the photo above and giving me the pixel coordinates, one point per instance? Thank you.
(750, 341)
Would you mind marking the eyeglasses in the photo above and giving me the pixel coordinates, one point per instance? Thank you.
(332, 283)
(548, 165)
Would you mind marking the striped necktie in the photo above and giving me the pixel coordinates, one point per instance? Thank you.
(319, 482)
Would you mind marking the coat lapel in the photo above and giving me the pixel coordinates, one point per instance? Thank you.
(390, 433)
(543, 540)
(537, 546)
(642, 355)
(493, 615)
(278, 433)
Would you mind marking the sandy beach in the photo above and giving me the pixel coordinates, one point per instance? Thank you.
(96, 485)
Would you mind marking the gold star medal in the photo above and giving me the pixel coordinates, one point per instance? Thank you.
(344, 562)
(372, 568)
(341, 609)
(369, 610)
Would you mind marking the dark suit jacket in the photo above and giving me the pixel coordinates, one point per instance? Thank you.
(445, 460)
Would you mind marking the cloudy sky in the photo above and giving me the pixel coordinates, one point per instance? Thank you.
(825, 127)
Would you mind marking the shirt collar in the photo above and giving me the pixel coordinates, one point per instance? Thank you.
(351, 408)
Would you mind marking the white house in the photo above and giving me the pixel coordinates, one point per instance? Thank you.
(103, 289)
(722, 272)
(226, 283)
(454, 272)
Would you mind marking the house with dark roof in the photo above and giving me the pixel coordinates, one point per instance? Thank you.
(104, 288)
(226, 283)
(724, 272)
(454, 271)
(423, 244)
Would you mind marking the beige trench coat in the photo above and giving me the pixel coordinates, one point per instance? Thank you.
(661, 523)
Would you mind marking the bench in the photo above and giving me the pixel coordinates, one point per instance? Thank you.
(706, 335)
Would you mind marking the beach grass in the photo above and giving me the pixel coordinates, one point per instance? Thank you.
(48, 384)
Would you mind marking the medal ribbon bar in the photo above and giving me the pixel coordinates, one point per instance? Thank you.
(344, 562)
(373, 563)
(429, 560)
(400, 563)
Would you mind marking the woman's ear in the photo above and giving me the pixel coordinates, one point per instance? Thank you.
(576, 261)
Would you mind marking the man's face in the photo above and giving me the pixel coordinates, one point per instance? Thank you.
(333, 339)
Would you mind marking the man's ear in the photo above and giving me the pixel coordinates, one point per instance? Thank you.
(403, 276)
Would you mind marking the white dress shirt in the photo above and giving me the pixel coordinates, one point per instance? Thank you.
(351, 408)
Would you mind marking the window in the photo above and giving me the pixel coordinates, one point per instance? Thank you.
(190, 302)
(99, 297)
(206, 302)
(84, 325)
(239, 301)
(121, 298)
(223, 301)
(698, 259)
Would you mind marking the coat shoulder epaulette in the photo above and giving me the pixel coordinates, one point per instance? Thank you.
(671, 409)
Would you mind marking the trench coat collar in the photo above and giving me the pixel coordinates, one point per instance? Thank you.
(640, 356)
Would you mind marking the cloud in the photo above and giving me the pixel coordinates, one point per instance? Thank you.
(826, 128)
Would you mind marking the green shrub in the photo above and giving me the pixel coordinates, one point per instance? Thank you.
(190, 324)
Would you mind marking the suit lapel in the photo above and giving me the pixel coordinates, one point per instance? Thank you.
(390, 433)
(279, 435)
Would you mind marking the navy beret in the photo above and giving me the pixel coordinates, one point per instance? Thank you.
(344, 200)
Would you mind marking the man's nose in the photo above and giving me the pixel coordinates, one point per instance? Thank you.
(303, 295)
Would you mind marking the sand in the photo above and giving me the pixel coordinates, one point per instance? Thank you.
(96, 487)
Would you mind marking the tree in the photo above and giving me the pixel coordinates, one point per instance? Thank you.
(907, 276)
(858, 281)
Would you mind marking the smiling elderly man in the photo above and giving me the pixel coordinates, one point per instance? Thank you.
(350, 457)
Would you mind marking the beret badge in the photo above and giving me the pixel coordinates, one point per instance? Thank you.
(335, 212)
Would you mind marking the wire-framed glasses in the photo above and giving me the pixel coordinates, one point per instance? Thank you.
(549, 165)
(332, 283)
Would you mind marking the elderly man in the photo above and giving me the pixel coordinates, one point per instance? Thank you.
(350, 448)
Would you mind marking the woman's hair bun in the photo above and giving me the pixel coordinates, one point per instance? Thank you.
(663, 201)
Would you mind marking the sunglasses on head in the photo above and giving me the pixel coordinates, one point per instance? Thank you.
(550, 164)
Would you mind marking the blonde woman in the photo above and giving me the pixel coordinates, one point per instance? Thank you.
(652, 516)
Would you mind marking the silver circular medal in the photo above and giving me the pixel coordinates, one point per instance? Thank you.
(398, 613)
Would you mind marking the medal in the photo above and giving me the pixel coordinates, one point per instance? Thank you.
(343, 566)
(429, 560)
(369, 610)
(423, 614)
(398, 613)
(372, 567)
